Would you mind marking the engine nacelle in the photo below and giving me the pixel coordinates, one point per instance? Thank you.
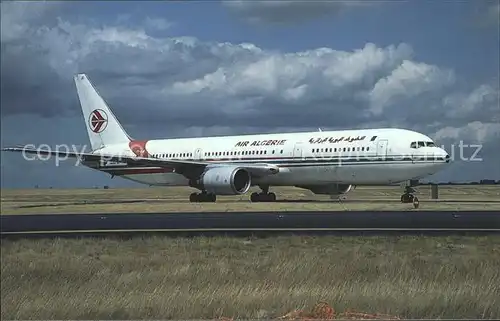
(224, 180)
(329, 189)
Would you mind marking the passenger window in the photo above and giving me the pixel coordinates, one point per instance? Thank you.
(367, 148)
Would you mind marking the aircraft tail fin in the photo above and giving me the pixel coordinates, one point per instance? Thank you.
(102, 126)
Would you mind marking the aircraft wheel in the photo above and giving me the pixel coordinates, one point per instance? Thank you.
(263, 197)
(212, 198)
(193, 197)
(416, 202)
(407, 198)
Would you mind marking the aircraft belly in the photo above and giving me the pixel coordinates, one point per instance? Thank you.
(300, 175)
(382, 173)
(163, 179)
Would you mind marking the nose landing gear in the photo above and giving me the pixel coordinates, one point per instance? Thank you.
(408, 197)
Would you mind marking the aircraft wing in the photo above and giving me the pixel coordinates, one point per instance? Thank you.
(180, 166)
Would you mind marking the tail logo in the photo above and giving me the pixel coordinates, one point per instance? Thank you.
(98, 120)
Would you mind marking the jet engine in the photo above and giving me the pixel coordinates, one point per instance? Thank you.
(329, 189)
(224, 180)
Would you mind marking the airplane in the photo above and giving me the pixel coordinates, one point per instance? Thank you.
(324, 162)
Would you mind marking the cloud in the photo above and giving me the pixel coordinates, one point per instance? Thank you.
(180, 86)
(487, 15)
(410, 79)
(288, 12)
(492, 14)
(182, 82)
(157, 23)
(476, 131)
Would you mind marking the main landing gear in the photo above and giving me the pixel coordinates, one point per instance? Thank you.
(202, 197)
(264, 196)
(408, 197)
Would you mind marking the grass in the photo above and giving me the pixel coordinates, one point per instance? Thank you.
(206, 278)
(174, 199)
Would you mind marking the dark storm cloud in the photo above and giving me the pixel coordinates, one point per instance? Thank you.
(29, 86)
(154, 81)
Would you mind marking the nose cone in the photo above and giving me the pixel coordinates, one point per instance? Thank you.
(441, 154)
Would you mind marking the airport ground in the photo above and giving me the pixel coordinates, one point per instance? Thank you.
(159, 277)
(207, 278)
(170, 199)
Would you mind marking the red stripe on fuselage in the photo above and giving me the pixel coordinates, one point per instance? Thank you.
(134, 171)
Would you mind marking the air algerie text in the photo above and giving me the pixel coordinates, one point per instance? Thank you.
(247, 143)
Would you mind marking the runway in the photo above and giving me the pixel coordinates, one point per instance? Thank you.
(246, 223)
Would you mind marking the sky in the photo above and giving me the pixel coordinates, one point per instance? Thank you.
(193, 68)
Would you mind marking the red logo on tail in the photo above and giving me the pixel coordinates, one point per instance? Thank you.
(98, 120)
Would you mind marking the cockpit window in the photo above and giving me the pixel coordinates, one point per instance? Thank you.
(422, 144)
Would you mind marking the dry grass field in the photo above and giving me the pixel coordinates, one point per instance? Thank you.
(208, 278)
(176, 200)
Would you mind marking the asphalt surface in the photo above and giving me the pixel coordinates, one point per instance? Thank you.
(244, 223)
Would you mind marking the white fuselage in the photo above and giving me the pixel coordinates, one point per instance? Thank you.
(357, 157)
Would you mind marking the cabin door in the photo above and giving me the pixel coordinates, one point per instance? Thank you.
(197, 154)
(382, 148)
(297, 151)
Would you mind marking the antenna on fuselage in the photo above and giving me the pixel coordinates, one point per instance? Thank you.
(319, 129)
